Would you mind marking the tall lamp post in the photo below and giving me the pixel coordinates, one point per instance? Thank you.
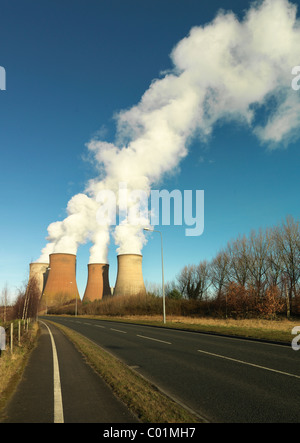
(162, 272)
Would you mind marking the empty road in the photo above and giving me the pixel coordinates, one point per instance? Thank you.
(222, 379)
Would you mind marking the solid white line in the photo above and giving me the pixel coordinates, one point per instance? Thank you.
(58, 405)
(154, 339)
(118, 330)
(249, 364)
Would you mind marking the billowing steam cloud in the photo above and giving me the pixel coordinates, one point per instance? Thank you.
(227, 69)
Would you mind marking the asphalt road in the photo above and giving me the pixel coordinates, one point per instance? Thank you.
(70, 392)
(224, 380)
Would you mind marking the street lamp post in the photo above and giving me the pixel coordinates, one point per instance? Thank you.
(162, 272)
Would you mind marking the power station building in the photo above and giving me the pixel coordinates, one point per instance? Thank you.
(39, 272)
(130, 275)
(98, 282)
(58, 286)
(61, 287)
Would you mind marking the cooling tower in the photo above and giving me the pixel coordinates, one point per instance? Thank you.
(39, 271)
(98, 282)
(61, 286)
(130, 276)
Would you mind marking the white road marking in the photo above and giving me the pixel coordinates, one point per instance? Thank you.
(118, 330)
(99, 326)
(58, 405)
(154, 339)
(249, 364)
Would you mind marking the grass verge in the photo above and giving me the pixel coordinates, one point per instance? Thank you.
(148, 403)
(12, 365)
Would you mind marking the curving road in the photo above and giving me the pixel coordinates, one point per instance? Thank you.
(222, 379)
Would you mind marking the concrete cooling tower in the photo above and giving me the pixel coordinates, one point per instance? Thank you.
(98, 282)
(39, 271)
(61, 286)
(130, 276)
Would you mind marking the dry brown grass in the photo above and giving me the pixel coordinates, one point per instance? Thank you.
(281, 325)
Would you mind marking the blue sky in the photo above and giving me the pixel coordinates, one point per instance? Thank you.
(70, 66)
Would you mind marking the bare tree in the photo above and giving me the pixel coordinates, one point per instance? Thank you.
(239, 260)
(193, 281)
(220, 272)
(274, 260)
(203, 278)
(287, 242)
(26, 304)
(181, 279)
(4, 301)
(258, 262)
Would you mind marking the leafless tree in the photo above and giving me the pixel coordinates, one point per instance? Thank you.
(239, 260)
(203, 278)
(287, 243)
(259, 270)
(194, 281)
(4, 301)
(220, 272)
(26, 304)
(274, 260)
(258, 262)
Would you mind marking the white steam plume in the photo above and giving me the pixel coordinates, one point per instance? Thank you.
(225, 70)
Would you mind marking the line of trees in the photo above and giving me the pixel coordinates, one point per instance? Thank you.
(257, 274)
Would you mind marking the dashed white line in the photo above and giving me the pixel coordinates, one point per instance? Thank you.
(154, 339)
(99, 326)
(249, 364)
(118, 330)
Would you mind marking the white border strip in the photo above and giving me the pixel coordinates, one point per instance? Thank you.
(58, 405)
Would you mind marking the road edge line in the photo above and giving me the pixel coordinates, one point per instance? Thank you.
(58, 404)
